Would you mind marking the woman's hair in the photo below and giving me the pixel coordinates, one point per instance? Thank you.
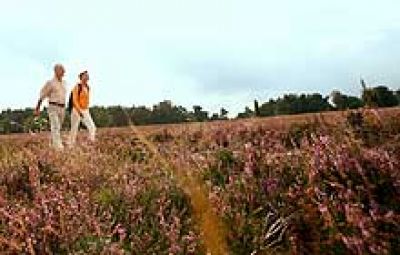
(81, 74)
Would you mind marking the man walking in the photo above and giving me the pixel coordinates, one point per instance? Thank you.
(55, 91)
(80, 109)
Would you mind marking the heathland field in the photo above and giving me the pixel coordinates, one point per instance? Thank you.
(306, 184)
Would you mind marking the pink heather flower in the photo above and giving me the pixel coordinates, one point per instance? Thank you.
(247, 146)
(248, 169)
(270, 185)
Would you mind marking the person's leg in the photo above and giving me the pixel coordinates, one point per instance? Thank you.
(75, 121)
(55, 128)
(61, 115)
(52, 120)
(61, 118)
(89, 123)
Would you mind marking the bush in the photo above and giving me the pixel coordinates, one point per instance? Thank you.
(368, 127)
(17, 182)
(300, 190)
(299, 132)
(222, 168)
(162, 137)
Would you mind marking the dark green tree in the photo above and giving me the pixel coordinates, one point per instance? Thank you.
(214, 116)
(119, 116)
(223, 114)
(141, 115)
(101, 116)
(380, 96)
(199, 114)
(248, 113)
(256, 108)
(343, 102)
(385, 97)
(166, 112)
(268, 108)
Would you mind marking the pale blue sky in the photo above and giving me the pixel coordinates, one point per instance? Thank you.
(211, 52)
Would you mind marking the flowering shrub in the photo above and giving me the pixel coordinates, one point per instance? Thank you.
(303, 190)
(298, 132)
(87, 201)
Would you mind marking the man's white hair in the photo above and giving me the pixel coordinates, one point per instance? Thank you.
(57, 66)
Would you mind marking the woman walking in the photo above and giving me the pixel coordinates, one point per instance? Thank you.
(80, 109)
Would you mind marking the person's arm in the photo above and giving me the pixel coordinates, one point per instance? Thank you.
(37, 109)
(44, 93)
(75, 100)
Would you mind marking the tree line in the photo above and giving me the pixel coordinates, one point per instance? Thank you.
(380, 96)
(20, 121)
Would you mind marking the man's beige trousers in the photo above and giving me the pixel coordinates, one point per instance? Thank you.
(56, 116)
